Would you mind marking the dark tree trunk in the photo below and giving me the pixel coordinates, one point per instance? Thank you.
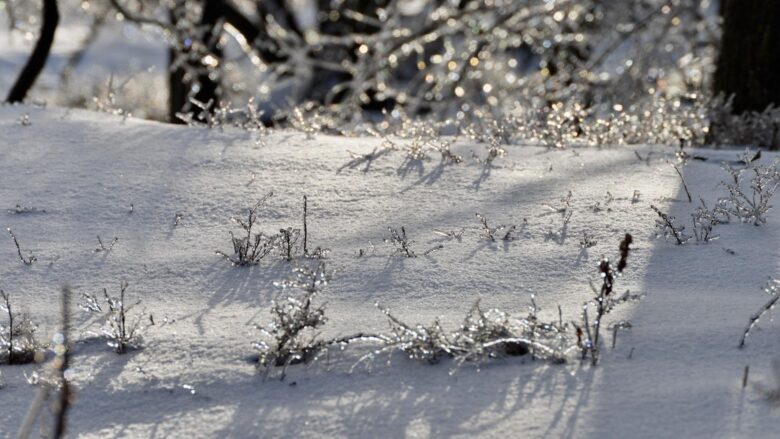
(40, 54)
(177, 89)
(209, 83)
(750, 54)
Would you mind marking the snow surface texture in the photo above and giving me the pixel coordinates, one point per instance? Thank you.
(193, 376)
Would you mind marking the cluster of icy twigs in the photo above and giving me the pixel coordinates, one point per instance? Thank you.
(292, 336)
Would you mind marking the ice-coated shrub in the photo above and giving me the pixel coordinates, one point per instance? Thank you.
(290, 336)
(17, 335)
(121, 331)
(667, 227)
(250, 248)
(748, 201)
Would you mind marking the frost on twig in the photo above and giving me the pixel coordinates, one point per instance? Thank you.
(666, 226)
(24, 210)
(292, 336)
(120, 333)
(291, 332)
(604, 301)
(682, 179)
(704, 221)
(287, 242)
(773, 289)
(749, 202)
(447, 156)
(402, 245)
(450, 234)
(207, 115)
(502, 232)
(400, 242)
(27, 261)
(307, 122)
(482, 336)
(104, 248)
(494, 151)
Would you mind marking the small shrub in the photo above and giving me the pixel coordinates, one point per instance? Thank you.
(749, 204)
(666, 226)
(450, 234)
(704, 221)
(294, 319)
(254, 246)
(287, 242)
(419, 342)
(291, 335)
(494, 233)
(120, 333)
(483, 335)
(17, 339)
(401, 244)
(587, 241)
(25, 210)
(103, 248)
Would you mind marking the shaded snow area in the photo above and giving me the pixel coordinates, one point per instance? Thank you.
(677, 372)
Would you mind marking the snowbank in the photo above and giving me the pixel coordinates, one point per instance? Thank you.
(86, 170)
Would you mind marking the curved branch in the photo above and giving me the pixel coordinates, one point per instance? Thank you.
(31, 70)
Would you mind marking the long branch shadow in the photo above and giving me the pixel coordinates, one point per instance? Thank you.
(365, 159)
(411, 165)
(432, 176)
(388, 398)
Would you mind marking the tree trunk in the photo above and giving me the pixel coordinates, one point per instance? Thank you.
(208, 81)
(40, 54)
(750, 54)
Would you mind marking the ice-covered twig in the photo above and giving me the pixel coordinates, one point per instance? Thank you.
(27, 261)
(773, 289)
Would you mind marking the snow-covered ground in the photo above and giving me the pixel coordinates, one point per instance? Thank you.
(193, 376)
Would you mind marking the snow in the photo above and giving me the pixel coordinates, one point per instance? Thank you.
(193, 376)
